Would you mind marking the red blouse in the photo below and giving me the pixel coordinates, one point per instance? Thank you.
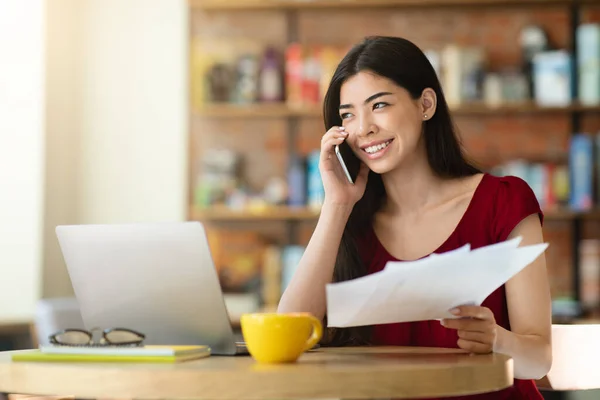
(497, 206)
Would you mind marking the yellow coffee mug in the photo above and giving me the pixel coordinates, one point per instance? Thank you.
(280, 338)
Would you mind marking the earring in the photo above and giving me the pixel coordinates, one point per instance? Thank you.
(425, 116)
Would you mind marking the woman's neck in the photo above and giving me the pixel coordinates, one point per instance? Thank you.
(411, 187)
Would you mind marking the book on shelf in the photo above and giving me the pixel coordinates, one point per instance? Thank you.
(572, 184)
(141, 354)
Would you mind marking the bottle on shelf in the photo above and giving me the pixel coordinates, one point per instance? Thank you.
(270, 79)
(315, 190)
(296, 182)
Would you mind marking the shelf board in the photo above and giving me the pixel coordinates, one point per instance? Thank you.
(258, 110)
(565, 214)
(281, 110)
(283, 213)
(520, 108)
(279, 213)
(307, 4)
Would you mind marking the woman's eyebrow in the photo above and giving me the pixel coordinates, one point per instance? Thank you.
(368, 100)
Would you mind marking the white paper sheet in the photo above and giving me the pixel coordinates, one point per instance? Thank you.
(428, 288)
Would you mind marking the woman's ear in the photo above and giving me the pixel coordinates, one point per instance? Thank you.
(428, 103)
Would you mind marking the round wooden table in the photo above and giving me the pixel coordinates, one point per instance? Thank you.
(350, 373)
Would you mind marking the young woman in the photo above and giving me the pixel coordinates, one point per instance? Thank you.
(416, 195)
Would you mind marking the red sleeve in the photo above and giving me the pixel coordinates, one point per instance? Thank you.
(515, 201)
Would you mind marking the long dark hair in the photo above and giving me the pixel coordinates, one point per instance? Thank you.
(405, 64)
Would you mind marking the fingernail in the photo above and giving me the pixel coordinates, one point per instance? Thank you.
(342, 128)
(455, 311)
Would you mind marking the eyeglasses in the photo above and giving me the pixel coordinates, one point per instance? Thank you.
(110, 337)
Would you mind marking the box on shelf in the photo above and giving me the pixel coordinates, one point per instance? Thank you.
(552, 74)
(588, 63)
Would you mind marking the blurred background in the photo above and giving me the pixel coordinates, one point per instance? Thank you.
(171, 110)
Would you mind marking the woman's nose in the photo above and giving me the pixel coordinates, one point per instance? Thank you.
(365, 126)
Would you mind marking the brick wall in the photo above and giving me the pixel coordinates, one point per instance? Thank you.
(488, 139)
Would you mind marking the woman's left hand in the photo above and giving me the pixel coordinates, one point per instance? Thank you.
(476, 328)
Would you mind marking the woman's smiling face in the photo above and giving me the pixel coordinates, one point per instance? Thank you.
(384, 123)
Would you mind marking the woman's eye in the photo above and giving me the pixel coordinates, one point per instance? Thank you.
(345, 115)
(381, 104)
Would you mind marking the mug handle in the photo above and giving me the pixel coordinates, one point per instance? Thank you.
(316, 334)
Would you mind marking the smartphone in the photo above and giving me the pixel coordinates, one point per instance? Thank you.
(350, 163)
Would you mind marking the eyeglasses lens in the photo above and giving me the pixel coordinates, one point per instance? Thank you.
(121, 336)
(73, 338)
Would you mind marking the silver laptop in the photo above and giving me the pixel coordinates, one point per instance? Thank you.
(156, 278)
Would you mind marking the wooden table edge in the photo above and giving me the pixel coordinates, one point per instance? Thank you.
(88, 381)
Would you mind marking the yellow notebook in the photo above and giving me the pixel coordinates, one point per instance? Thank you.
(149, 350)
(115, 355)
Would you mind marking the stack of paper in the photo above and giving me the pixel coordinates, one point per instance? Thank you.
(428, 288)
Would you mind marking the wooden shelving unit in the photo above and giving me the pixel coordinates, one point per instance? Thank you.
(306, 4)
(281, 110)
(293, 116)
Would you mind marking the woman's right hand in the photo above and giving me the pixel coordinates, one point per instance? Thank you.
(338, 190)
